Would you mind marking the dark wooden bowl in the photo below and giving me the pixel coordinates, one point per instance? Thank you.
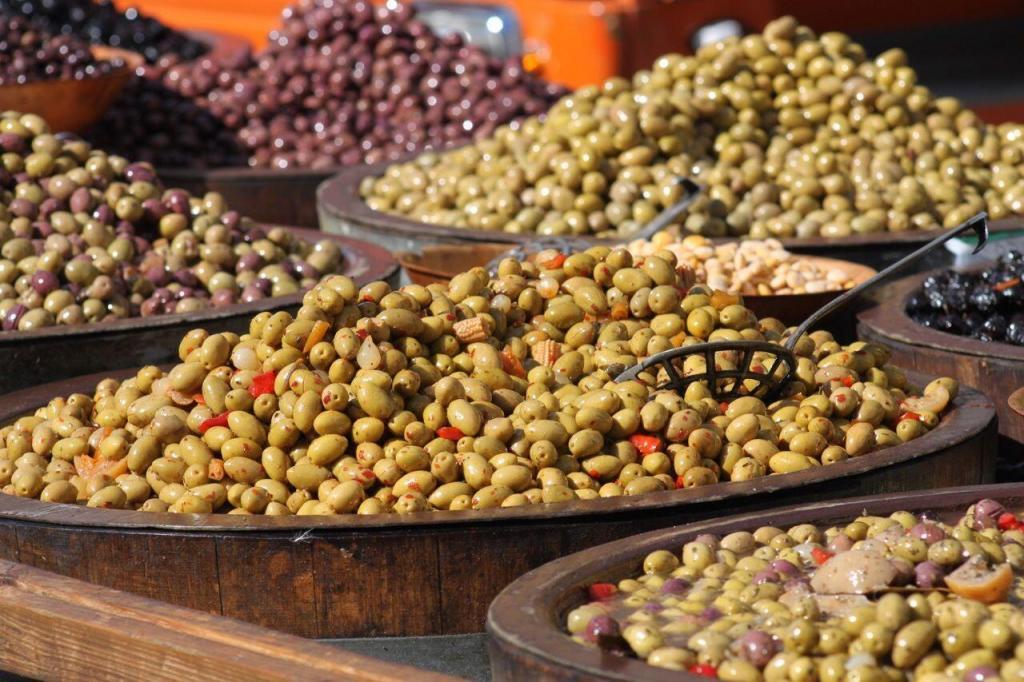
(441, 263)
(343, 211)
(68, 104)
(526, 621)
(35, 357)
(418, 574)
(995, 369)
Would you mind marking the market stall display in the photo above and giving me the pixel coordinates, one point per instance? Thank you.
(357, 413)
(917, 584)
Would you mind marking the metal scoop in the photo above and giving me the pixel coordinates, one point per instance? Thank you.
(770, 384)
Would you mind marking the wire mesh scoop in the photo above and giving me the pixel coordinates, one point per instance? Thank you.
(770, 383)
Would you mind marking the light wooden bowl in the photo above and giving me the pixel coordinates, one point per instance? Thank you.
(70, 105)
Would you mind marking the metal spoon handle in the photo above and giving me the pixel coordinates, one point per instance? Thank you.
(691, 190)
(978, 223)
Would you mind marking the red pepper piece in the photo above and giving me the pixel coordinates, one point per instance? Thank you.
(723, 406)
(1003, 286)
(820, 555)
(704, 670)
(593, 473)
(219, 420)
(680, 483)
(554, 262)
(601, 591)
(848, 381)
(198, 397)
(645, 443)
(450, 433)
(1007, 521)
(362, 334)
(909, 415)
(262, 383)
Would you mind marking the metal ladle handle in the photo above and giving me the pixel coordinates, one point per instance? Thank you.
(978, 223)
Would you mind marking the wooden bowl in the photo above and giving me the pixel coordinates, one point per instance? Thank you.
(29, 358)
(72, 105)
(995, 369)
(418, 574)
(343, 211)
(526, 622)
(441, 263)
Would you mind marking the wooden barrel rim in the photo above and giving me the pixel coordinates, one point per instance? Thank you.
(339, 197)
(972, 413)
(856, 271)
(525, 617)
(364, 262)
(889, 319)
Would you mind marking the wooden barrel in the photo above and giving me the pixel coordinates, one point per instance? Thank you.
(995, 369)
(343, 211)
(441, 263)
(29, 358)
(58, 627)
(419, 574)
(526, 623)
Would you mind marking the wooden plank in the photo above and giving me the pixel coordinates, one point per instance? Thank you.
(377, 584)
(161, 566)
(56, 627)
(287, 568)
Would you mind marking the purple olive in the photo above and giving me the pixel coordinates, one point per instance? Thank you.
(601, 626)
(81, 201)
(306, 270)
(981, 673)
(757, 647)
(708, 539)
(840, 543)
(765, 575)
(13, 316)
(251, 293)
(104, 214)
(928, 575)
(986, 513)
(248, 262)
(784, 567)
(186, 278)
(929, 532)
(264, 284)
(675, 586)
(158, 275)
(710, 614)
(653, 607)
(23, 208)
(44, 281)
(222, 298)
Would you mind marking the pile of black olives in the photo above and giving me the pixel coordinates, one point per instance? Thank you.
(102, 23)
(987, 305)
(341, 82)
(30, 53)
